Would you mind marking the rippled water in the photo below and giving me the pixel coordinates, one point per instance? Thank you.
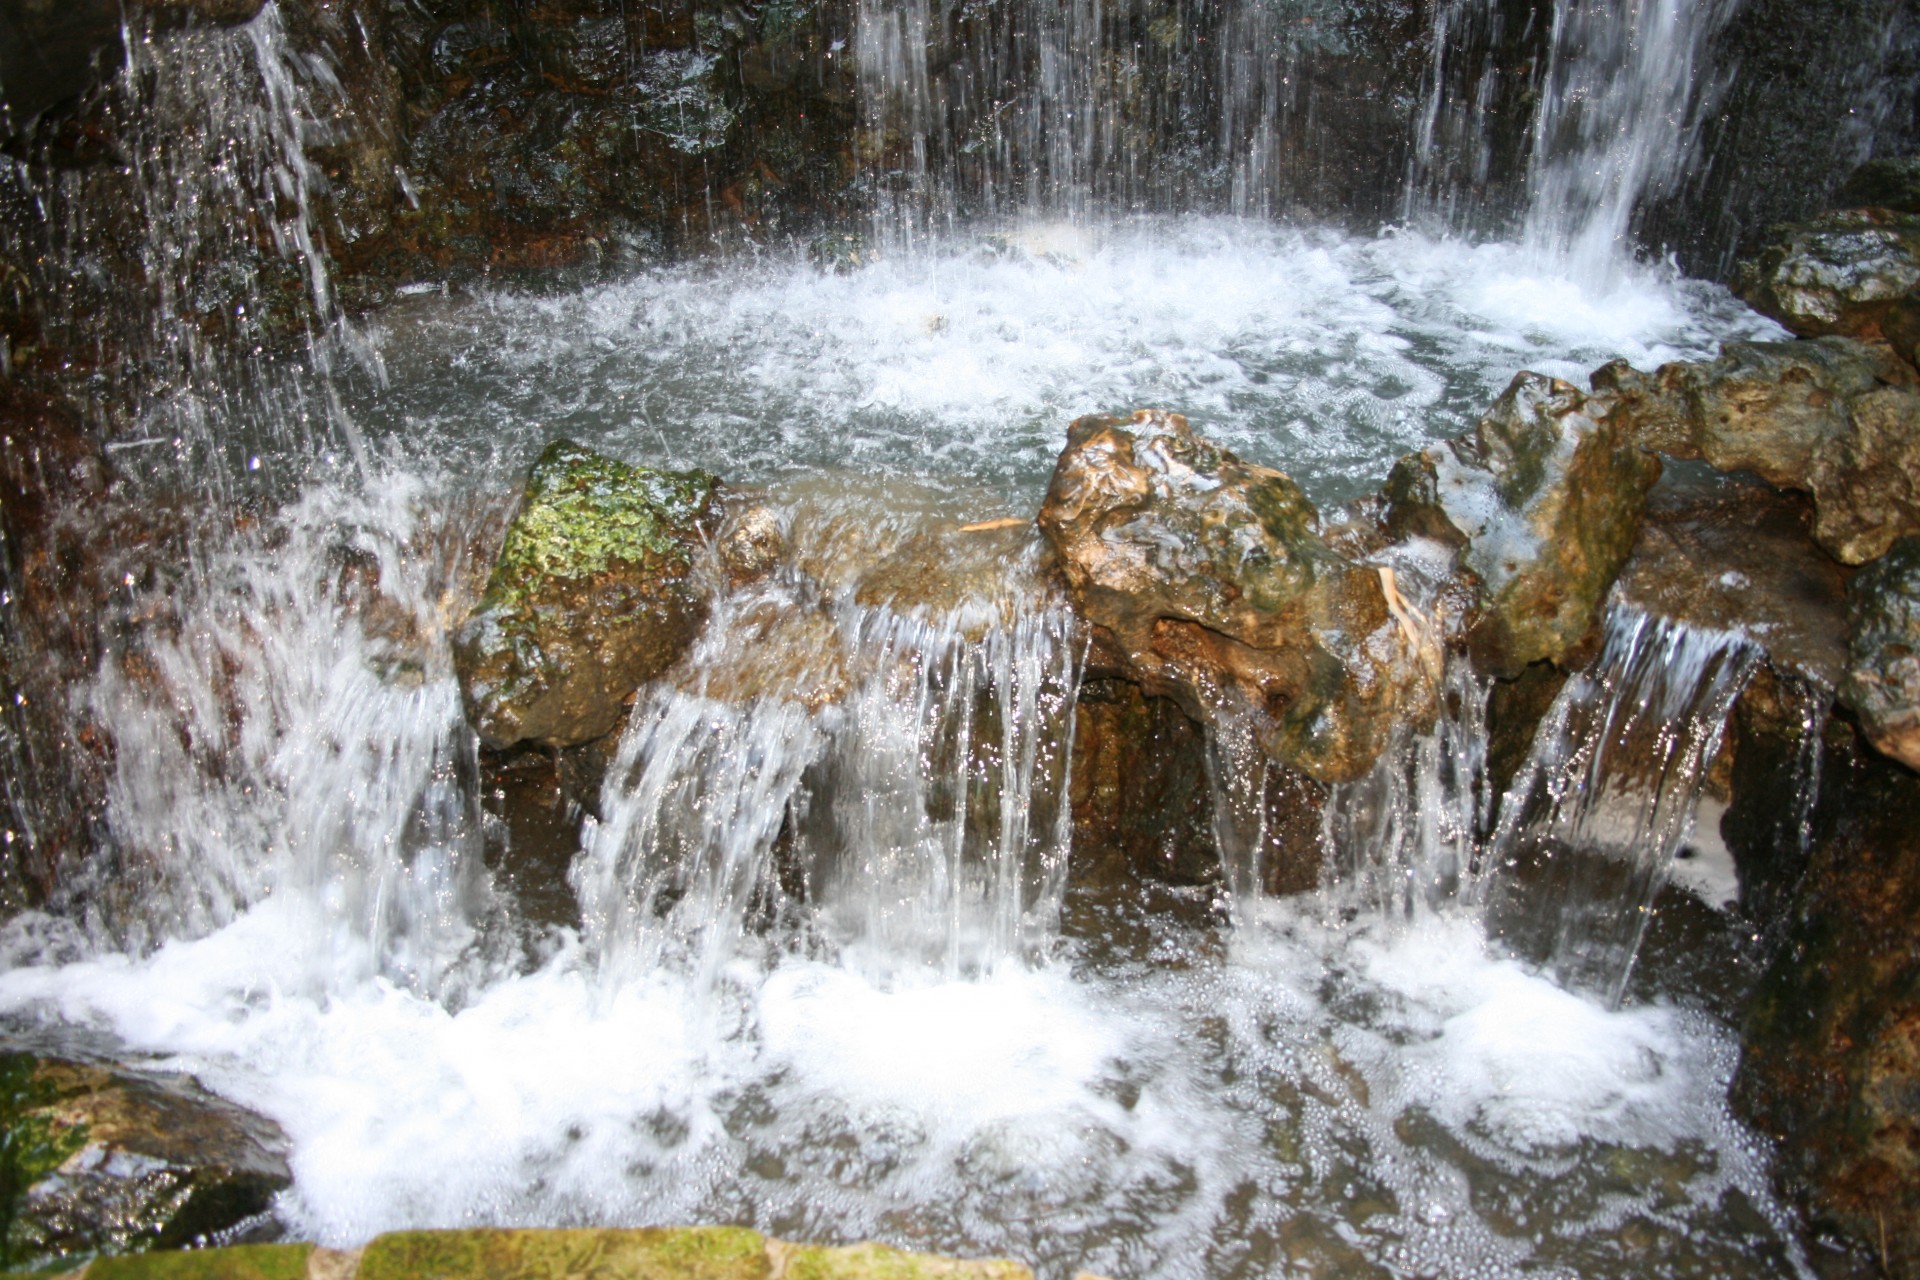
(1323, 354)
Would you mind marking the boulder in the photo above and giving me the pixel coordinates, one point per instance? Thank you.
(1836, 274)
(1544, 500)
(593, 594)
(1832, 417)
(100, 1161)
(1882, 683)
(1209, 580)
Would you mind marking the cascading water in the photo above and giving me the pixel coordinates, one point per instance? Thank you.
(1618, 93)
(1601, 807)
(831, 974)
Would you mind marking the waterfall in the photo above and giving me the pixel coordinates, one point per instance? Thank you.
(914, 824)
(1405, 839)
(1588, 832)
(1080, 110)
(1619, 91)
(1566, 871)
(220, 330)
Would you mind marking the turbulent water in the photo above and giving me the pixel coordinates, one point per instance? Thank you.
(823, 960)
(821, 964)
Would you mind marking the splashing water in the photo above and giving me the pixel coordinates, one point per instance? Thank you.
(830, 976)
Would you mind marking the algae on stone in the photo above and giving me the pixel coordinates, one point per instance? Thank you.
(591, 596)
(678, 1253)
(235, 1262)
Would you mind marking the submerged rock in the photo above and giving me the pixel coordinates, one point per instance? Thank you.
(111, 1162)
(1544, 499)
(1832, 418)
(1882, 683)
(593, 594)
(1209, 580)
(1836, 274)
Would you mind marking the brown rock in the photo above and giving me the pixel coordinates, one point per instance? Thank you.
(1544, 499)
(1212, 581)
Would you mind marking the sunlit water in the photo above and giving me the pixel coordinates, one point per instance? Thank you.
(1111, 1080)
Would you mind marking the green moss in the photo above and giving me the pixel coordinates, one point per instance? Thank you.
(879, 1262)
(691, 1253)
(584, 513)
(31, 1145)
(238, 1262)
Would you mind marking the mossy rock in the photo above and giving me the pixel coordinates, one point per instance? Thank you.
(691, 1253)
(238, 1262)
(112, 1162)
(593, 594)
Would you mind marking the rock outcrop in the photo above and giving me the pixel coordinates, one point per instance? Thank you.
(1836, 274)
(1210, 582)
(103, 1161)
(593, 594)
(1833, 418)
(1882, 683)
(1830, 1061)
(1544, 499)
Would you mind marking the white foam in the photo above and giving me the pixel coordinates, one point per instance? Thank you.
(1325, 354)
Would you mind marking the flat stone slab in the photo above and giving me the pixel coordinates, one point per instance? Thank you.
(655, 1253)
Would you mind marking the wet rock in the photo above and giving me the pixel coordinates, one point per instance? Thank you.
(752, 543)
(670, 1253)
(1831, 417)
(235, 1262)
(1544, 498)
(54, 527)
(1210, 579)
(1889, 182)
(112, 1162)
(1836, 274)
(1140, 789)
(592, 595)
(1830, 1060)
(1882, 683)
(1727, 552)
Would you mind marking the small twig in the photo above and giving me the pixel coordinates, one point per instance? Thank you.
(982, 526)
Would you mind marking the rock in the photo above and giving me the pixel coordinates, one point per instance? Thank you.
(1831, 417)
(752, 544)
(1544, 498)
(1140, 790)
(1837, 274)
(1901, 328)
(112, 1162)
(1211, 581)
(1830, 1056)
(1891, 182)
(1882, 683)
(592, 595)
(235, 1262)
(668, 1253)
(1727, 552)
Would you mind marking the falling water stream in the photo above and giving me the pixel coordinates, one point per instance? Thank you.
(823, 964)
